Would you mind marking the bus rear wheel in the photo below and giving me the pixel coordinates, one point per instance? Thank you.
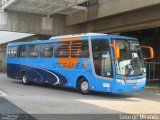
(83, 86)
(25, 79)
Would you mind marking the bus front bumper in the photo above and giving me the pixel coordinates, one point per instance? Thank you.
(126, 87)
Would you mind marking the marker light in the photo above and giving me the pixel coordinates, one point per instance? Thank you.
(113, 42)
(120, 80)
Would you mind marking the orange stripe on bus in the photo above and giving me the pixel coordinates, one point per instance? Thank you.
(70, 39)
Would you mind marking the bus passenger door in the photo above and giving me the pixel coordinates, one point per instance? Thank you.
(102, 58)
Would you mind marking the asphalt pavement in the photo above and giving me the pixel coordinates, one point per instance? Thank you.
(41, 101)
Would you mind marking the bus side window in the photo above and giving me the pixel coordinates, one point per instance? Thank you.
(46, 50)
(80, 49)
(22, 51)
(62, 49)
(12, 51)
(33, 50)
(9, 51)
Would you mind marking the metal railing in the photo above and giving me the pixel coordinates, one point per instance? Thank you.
(153, 71)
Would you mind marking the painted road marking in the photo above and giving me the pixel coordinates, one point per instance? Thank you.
(2, 93)
(128, 105)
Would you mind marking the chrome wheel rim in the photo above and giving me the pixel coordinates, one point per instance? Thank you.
(24, 79)
(84, 86)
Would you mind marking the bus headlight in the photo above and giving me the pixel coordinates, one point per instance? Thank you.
(120, 80)
(141, 80)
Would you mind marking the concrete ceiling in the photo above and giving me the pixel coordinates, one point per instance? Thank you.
(48, 7)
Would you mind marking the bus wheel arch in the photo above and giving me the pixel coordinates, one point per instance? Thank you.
(83, 85)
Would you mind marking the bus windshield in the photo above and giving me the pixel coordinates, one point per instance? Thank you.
(131, 62)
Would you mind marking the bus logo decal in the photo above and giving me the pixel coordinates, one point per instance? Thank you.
(70, 65)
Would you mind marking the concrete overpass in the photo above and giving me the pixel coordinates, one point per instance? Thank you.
(55, 17)
(37, 16)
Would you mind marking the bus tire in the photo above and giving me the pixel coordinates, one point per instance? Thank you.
(24, 79)
(83, 86)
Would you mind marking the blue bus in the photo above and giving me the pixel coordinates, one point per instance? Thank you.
(88, 62)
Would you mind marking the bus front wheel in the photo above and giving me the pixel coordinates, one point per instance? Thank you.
(24, 79)
(83, 86)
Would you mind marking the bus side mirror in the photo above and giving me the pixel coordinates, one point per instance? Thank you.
(116, 51)
(146, 50)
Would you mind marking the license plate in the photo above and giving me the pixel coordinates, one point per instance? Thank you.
(134, 86)
(106, 85)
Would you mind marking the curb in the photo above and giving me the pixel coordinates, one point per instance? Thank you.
(154, 88)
